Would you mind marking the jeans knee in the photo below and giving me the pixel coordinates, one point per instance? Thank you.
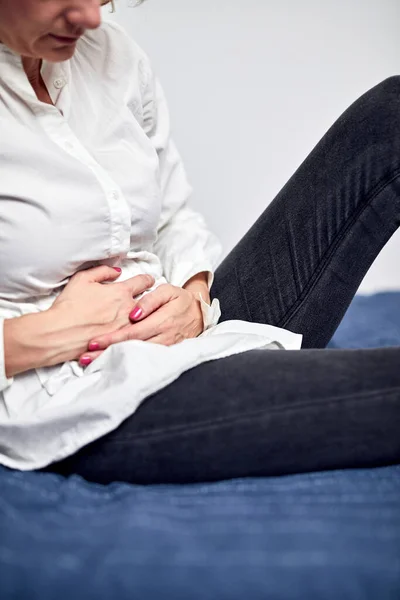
(389, 88)
(380, 106)
(385, 96)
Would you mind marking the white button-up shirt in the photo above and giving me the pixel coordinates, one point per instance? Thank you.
(96, 179)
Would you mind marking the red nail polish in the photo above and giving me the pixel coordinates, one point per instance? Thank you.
(136, 314)
(85, 361)
(93, 346)
(117, 269)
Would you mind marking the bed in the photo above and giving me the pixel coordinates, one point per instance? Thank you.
(333, 535)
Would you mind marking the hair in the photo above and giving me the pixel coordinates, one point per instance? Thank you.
(112, 2)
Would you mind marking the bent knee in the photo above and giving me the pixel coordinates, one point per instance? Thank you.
(388, 89)
(381, 105)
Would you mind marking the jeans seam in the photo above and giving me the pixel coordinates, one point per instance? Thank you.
(224, 421)
(320, 269)
(291, 254)
(243, 295)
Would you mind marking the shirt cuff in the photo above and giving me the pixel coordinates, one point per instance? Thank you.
(211, 313)
(184, 272)
(5, 382)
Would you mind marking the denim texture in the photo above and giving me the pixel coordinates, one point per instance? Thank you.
(264, 413)
(302, 262)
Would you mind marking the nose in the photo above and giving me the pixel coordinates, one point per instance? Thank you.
(85, 14)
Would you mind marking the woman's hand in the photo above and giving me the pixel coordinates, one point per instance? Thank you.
(93, 308)
(86, 308)
(167, 315)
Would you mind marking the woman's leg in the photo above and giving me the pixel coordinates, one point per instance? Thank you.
(301, 263)
(274, 412)
(263, 412)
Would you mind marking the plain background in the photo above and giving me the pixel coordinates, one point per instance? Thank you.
(252, 86)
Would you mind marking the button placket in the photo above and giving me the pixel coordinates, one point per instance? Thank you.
(59, 83)
(60, 132)
(120, 213)
(57, 77)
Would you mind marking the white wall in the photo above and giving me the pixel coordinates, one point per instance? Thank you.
(270, 76)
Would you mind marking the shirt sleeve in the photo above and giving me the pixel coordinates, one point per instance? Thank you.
(5, 382)
(184, 244)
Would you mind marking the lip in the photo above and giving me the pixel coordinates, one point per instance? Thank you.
(64, 40)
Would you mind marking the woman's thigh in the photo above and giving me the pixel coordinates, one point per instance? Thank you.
(301, 263)
(258, 413)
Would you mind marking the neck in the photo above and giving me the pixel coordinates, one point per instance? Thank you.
(32, 69)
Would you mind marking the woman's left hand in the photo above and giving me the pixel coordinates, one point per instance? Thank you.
(167, 315)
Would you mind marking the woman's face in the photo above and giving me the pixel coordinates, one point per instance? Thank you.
(47, 29)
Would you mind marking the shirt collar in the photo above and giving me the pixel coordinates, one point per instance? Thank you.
(56, 76)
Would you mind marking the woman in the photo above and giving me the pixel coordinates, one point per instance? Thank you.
(93, 193)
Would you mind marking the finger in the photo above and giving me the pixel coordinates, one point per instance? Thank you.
(104, 341)
(153, 325)
(156, 323)
(153, 301)
(138, 284)
(100, 274)
(86, 359)
(162, 322)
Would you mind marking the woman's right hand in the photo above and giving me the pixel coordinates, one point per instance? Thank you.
(91, 308)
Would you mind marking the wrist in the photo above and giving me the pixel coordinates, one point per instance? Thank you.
(199, 285)
(62, 337)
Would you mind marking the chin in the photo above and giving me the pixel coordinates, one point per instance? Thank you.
(59, 54)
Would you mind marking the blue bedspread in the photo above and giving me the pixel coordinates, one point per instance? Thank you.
(324, 536)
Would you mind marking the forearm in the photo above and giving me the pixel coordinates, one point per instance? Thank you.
(40, 340)
(48, 338)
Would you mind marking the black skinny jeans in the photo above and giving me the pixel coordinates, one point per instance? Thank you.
(267, 413)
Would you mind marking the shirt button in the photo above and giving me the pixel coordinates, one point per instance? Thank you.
(69, 146)
(114, 195)
(59, 83)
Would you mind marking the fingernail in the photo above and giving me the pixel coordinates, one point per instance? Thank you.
(136, 314)
(85, 361)
(117, 269)
(93, 346)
